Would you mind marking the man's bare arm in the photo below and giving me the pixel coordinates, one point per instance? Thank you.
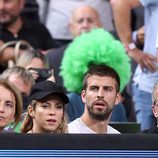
(7, 53)
(122, 17)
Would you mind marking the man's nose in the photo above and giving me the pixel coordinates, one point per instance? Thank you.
(85, 23)
(101, 93)
(1, 107)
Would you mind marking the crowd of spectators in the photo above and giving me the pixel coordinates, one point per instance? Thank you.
(35, 36)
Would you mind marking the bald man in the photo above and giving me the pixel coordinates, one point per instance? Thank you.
(83, 19)
(59, 12)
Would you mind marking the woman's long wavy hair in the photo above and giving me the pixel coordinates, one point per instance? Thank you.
(27, 124)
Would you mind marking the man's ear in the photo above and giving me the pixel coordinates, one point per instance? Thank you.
(31, 111)
(83, 95)
(118, 98)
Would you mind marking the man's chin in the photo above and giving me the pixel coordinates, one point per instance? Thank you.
(9, 20)
(100, 116)
(85, 31)
(5, 23)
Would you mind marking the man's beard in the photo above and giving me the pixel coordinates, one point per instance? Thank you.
(100, 116)
(11, 20)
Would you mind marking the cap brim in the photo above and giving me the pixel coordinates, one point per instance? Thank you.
(42, 95)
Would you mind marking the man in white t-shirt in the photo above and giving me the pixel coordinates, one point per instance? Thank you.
(100, 94)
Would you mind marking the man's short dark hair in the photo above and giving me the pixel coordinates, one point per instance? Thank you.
(101, 70)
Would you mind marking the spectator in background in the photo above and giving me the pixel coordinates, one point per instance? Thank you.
(46, 110)
(10, 105)
(22, 79)
(36, 63)
(15, 27)
(56, 14)
(83, 19)
(146, 72)
(137, 26)
(154, 110)
(100, 93)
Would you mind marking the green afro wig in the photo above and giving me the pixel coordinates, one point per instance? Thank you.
(98, 47)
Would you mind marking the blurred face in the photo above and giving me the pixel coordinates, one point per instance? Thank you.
(100, 97)
(155, 106)
(7, 107)
(48, 115)
(36, 63)
(10, 11)
(23, 87)
(84, 20)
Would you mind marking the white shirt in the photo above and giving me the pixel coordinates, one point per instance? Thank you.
(59, 11)
(78, 126)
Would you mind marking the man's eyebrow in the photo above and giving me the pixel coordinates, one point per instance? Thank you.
(108, 86)
(103, 86)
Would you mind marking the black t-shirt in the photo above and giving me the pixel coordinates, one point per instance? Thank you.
(34, 33)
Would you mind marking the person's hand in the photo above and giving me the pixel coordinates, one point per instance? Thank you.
(34, 73)
(52, 77)
(140, 35)
(146, 61)
(1, 42)
(7, 54)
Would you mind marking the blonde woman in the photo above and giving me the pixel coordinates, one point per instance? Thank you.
(36, 63)
(46, 110)
(10, 105)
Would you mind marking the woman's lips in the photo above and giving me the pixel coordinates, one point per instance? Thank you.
(51, 120)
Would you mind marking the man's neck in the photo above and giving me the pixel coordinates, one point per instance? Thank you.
(99, 127)
(16, 26)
